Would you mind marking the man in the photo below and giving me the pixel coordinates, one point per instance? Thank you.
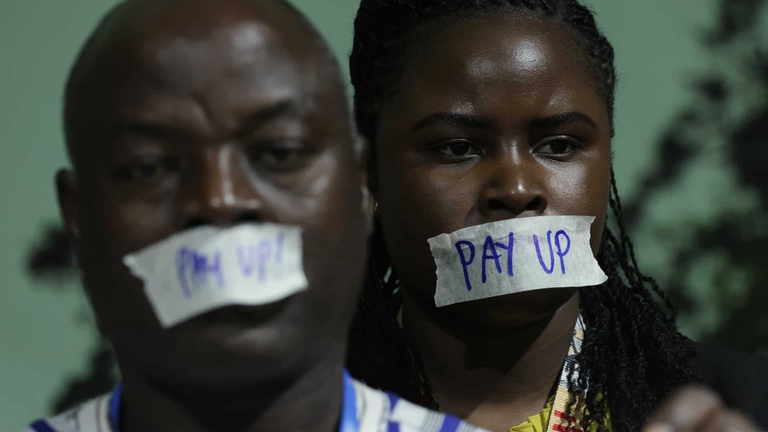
(182, 114)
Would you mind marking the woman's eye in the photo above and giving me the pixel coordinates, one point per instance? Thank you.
(557, 147)
(458, 149)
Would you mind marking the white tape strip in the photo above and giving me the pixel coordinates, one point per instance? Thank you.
(206, 268)
(512, 256)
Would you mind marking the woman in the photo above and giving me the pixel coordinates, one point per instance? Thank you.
(486, 110)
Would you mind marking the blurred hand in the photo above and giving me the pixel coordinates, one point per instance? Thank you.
(697, 409)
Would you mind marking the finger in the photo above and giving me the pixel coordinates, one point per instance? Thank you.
(728, 421)
(685, 410)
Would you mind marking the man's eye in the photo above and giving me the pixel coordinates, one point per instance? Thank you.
(287, 156)
(281, 156)
(458, 149)
(557, 147)
(147, 171)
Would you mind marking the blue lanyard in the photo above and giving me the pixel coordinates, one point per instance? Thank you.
(113, 414)
(348, 423)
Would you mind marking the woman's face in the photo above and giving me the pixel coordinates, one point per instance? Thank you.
(494, 119)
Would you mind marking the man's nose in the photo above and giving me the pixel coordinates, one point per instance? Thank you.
(220, 190)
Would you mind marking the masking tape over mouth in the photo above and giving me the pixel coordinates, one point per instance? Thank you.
(206, 268)
(513, 256)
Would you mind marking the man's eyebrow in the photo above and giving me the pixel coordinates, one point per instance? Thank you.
(148, 129)
(454, 119)
(553, 121)
(163, 131)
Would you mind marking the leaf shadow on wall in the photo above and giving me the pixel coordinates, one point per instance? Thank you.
(726, 121)
(51, 263)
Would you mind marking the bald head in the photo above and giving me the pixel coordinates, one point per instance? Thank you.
(183, 37)
(181, 113)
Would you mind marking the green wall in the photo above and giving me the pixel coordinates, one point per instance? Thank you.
(46, 332)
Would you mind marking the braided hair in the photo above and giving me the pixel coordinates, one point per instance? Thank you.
(632, 354)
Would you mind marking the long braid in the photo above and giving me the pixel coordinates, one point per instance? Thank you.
(632, 354)
(375, 331)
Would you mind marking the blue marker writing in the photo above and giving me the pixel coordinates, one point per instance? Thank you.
(204, 265)
(509, 247)
(246, 259)
(264, 253)
(551, 253)
(492, 256)
(464, 261)
(560, 251)
(252, 258)
(200, 266)
(181, 271)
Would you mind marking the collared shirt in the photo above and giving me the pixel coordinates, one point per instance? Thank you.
(363, 410)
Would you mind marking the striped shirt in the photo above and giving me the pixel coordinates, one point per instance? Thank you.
(364, 410)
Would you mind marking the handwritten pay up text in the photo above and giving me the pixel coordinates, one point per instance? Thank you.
(512, 256)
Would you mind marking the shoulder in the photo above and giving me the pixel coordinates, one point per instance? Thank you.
(380, 411)
(741, 379)
(88, 417)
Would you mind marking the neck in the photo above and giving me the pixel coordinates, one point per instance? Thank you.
(495, 381)
(309, 402)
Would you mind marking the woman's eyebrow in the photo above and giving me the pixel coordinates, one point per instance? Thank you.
(553, 121)
(476, 122)
(454, 119)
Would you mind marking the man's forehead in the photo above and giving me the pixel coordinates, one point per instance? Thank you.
(230, 71)
(230, 57)
(245, 39)
(177, 38)
(187, 34)
(199, 17)
(247, 50)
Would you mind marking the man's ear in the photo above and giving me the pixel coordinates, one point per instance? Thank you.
(362, 157)
(366, 161)
(69, 203)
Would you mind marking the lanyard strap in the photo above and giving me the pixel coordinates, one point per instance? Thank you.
(349, 421)
(558, 418)
(113, 413)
